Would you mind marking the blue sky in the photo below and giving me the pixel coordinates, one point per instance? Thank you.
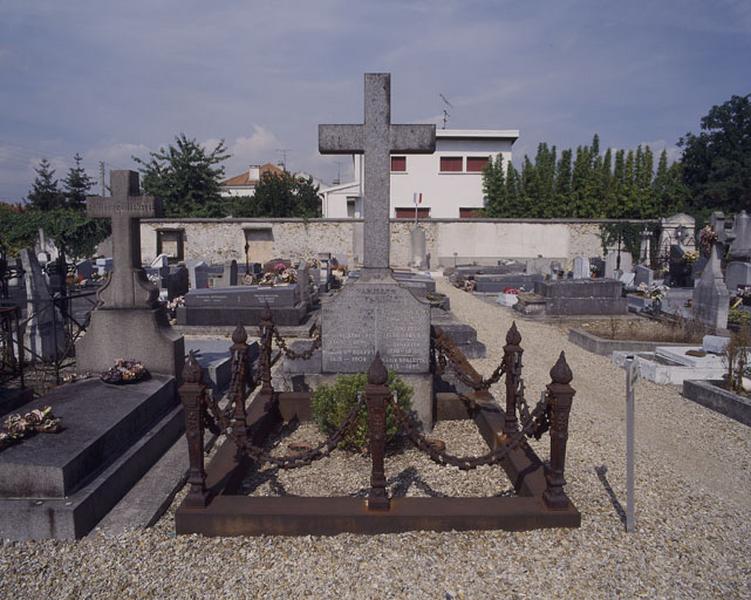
(113, 79)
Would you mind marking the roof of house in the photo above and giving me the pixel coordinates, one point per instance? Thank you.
(488, 134)
(244, 178)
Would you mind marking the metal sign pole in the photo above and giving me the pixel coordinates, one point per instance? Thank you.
(632, 376)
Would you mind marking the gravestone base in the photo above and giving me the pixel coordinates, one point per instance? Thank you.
(59, 485)
(423, 396)
(141, 334)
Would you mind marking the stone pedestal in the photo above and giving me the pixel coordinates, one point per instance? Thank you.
(141, 334)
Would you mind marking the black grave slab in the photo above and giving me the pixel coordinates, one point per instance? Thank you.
(242, 305)
(495, 284)
(580, 288)
(101, 421)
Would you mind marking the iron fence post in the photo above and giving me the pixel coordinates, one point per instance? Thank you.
(512, 357)
(266, 328)
(376, 395)
(239, 350)
(561, 395)
(192, 393)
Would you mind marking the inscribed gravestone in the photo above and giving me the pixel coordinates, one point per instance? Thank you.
(129, 322)
(229, 278)
(581, 267)
(198, 272)
(643, 274)
(711, 299)
(44, 334)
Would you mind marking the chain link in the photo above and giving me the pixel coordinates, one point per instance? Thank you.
(291, 354)
(446, 352)
(467, 463)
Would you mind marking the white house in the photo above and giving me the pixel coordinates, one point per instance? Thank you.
(450, 180)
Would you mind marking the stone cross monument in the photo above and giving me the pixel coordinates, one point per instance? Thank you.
(376, 314)
(129, 322)
(377, 139)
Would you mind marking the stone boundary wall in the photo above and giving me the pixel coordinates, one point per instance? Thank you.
(482, 241)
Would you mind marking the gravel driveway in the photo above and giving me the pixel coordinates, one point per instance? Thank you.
(693, 515)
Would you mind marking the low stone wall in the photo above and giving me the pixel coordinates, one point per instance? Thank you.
(606, 347)
(482, 241)
(711, 395)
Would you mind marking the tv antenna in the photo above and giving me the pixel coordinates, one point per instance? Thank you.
(283, 152)
(446, 113)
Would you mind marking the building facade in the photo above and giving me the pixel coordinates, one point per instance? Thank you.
(449, 181)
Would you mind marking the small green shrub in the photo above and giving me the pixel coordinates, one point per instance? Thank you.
(332, 404)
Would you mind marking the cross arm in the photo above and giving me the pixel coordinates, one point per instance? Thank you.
(340, 139)
(412, 139)
(131, 206)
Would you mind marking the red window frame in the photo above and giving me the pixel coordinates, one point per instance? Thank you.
(423, 212)
(469, 212)
(476, 164)
(451, 164)
(398, 164)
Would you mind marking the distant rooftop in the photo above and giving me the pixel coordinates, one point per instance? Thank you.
(485, 134)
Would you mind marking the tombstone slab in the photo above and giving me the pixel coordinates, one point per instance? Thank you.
(581, 268)
(738, 274)
(366, 318)
(711, 299)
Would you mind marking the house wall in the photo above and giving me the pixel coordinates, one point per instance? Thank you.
(483, 241)
(443, 193)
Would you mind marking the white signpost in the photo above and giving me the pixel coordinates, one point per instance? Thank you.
(632, 376)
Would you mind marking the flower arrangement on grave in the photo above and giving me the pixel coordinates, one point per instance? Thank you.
(707, 239)
(512, 290)
(656, 292)
(469, 285)
(281, 274)
(171, 306)
(332, 404)
(16, 427)
(690, 257)
(124, 372)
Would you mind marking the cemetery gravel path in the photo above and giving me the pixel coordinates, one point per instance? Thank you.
(693, 515)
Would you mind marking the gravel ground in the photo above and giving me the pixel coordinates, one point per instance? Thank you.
(693, 509)
(408, 471)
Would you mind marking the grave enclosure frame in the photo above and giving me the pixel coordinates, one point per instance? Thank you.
(213, 508)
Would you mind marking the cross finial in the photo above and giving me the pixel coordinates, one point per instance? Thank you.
(376, 139)
(128, 286)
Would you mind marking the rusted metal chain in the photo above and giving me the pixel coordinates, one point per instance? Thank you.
(469, 379)
(467, 463)
(290, 461)
(291, 354)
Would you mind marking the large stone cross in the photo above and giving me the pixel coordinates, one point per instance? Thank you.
(128, 286)
(377, 139)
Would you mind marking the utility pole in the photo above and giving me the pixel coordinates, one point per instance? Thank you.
(283, 152)
(101, 178)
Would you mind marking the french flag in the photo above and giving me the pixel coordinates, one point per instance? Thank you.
(417, 198)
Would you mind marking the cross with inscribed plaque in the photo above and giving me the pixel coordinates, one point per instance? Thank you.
(376, 139)
(128, 286)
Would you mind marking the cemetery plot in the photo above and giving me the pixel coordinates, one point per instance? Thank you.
(217, 504)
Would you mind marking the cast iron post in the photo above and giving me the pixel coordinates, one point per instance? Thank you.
(561, 395)
(266, 330)
(239, 351)
(376, 395)
(512, 356)
(192, 396)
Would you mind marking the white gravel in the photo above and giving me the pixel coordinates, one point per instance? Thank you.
(693, 509)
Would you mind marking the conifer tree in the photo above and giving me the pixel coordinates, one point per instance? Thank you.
(45, 193)
(494, 188)
(76, 184)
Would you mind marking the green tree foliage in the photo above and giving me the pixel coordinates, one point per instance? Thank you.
(716, 163)
(76, 184)
(584, 184)
(186, 177)
(279, 195)
(45, 193)
(70, 229)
